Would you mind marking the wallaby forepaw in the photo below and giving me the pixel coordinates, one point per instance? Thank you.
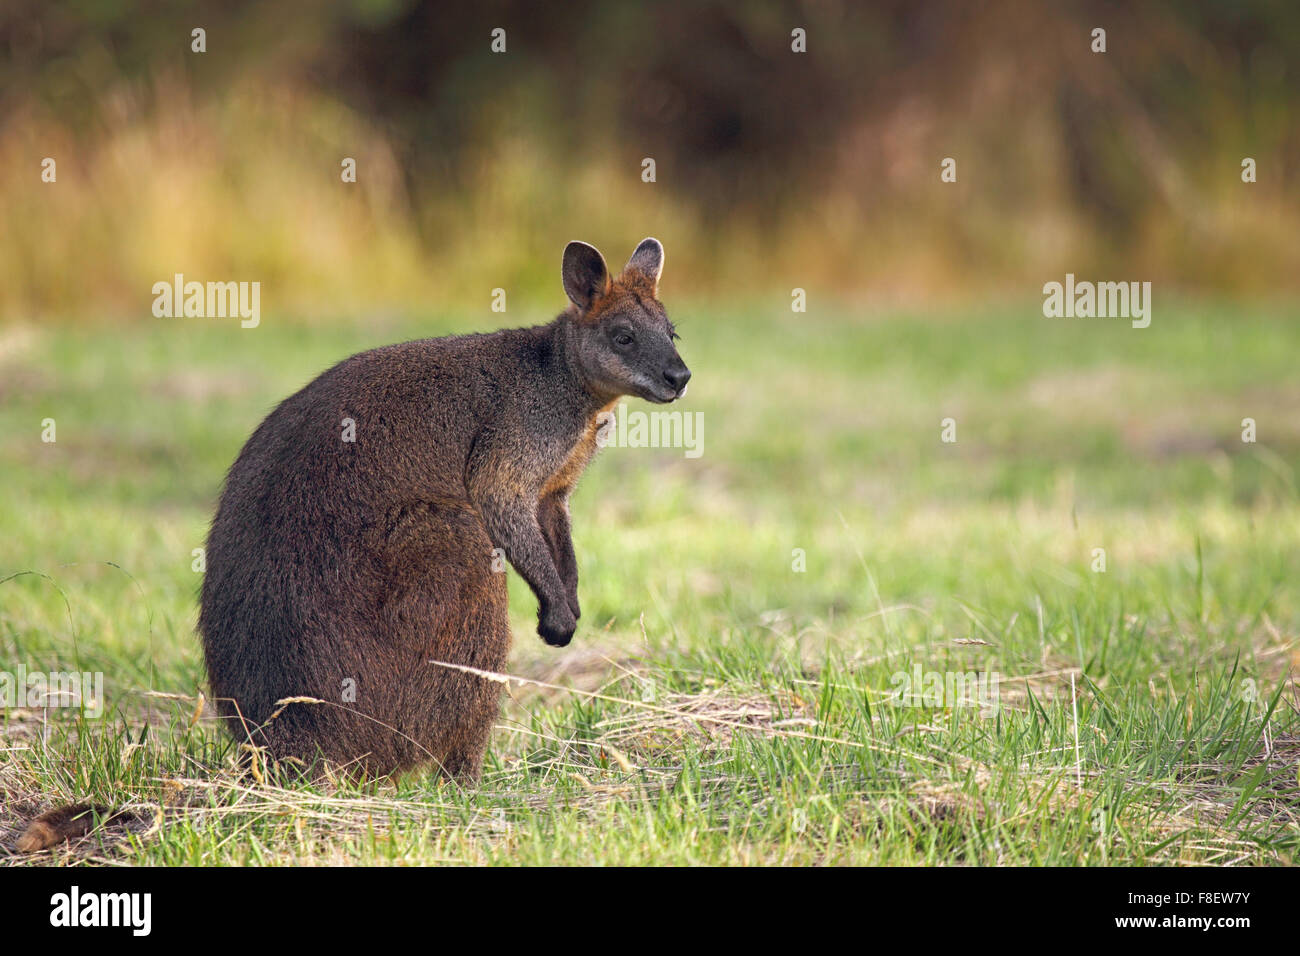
(556, 625)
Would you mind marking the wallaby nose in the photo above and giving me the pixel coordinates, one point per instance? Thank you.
(677, 377)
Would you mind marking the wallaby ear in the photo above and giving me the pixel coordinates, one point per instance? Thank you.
(648, 259)
(584, 274)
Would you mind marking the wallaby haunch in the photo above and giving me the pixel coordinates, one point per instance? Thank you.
(356, 537)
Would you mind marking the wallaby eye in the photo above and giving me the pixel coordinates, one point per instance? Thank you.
(623, 338)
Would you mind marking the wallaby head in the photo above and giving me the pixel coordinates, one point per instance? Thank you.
(618, 334)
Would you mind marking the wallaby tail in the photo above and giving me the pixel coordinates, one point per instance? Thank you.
(64, 823)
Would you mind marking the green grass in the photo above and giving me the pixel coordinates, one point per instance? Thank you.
(718, 706)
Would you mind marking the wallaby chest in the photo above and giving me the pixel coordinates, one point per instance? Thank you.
(573, 455)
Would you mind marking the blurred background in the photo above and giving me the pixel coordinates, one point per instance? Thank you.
(773, 169)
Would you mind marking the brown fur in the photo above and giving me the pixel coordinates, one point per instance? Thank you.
(64, 823)
(332, 562)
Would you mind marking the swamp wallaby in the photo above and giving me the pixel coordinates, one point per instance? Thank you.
(356, 539)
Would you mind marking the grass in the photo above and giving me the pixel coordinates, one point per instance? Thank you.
(717, 705)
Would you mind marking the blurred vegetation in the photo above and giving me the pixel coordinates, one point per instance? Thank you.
(774, 169)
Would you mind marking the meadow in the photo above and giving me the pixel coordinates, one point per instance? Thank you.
(731, 694)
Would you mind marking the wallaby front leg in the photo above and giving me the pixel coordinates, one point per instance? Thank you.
(512, 525)
(553, 516)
